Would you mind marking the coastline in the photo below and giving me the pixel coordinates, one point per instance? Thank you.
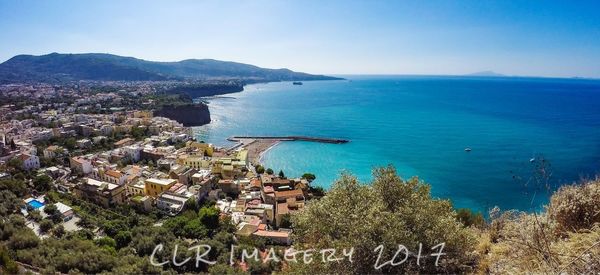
(262, 154)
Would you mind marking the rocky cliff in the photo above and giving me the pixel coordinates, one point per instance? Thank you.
(189, 114)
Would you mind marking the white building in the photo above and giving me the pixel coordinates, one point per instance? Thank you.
(30, 161)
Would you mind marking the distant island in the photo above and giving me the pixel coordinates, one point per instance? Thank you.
(487, 74)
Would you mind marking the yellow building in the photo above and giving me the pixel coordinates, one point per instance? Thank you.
(204, 147)
(155, 187)
(142, 114)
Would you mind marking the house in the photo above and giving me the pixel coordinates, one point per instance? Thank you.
(154, 187)
(113, 176)
(136, 188)
(287, 202)
(277, 237)
(196, 162)
(84, 143)
(141, 202)
(229, 186)
(182, 173)
(65, 210)
(124, 142)
(53, 151)
(81, 165)
(133, 152)
(103, 193)
(172, 203)
(29, 161)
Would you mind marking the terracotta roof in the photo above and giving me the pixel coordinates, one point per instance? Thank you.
(113, 173)
(290, 193)
(255, 182)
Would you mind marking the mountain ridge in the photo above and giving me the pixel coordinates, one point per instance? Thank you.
(57, 67)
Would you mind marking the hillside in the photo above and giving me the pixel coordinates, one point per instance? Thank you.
(57, 67)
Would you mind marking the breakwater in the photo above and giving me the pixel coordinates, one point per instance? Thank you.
(290, 138)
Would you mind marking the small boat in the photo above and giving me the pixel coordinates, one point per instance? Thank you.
(532, 160)
(297, 83)
(467, 149)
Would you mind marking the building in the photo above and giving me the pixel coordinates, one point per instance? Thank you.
(65, 210)
(103, 193)
(172, 203)
(278, 237)
(114, 176)
(81, 165)
(182, 173)
(53, 151)
(143, 203)
(154, 187)
(29, 161)
(136, 189)
(133, 152)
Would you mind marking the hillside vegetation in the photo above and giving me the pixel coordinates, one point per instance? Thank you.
(57, 67)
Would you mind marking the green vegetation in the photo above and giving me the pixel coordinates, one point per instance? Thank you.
(309, 177)
(468, 218)
(390, 211)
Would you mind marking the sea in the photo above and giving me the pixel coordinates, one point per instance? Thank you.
(527, 136)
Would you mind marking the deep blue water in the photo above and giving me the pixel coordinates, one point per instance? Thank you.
(422, 125)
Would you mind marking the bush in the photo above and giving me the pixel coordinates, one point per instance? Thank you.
(389, 212)
(46, 225)
(309, 177)
(576, 207)
(468, 218)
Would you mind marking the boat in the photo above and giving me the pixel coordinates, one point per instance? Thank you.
(297, 83)
(532, 160)
(467, 149)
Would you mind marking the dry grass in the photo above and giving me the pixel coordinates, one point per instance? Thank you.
(564, 239)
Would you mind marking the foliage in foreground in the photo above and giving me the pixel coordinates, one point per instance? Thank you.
(563, 239)
(390, 212)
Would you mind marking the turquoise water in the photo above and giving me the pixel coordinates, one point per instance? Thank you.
(422, 125)
(35, 204)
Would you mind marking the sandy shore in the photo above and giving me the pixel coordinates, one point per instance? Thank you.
(257, 147)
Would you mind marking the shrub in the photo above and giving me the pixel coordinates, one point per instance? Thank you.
(576, 207)
(46, 225)
(468, 218)
(388, 212)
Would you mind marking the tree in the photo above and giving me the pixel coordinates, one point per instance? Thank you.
(122, 239)
(50, 209)
(58, 231)
(260, 169)
(42, 183)
(286, 221)
(46, 225)
(209, 216)
(309, 177)
(270, 171)
(389, 212)
(7, 263)
(15, 164)
(9, 203)
(281, 174)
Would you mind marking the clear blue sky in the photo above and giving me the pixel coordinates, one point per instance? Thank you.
(542, 38)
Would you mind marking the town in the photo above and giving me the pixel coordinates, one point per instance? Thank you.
(75, 144)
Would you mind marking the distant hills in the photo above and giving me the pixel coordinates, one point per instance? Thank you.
(55, 67)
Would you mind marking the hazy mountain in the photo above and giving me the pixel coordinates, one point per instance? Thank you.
(56, 67)
(486, 73)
